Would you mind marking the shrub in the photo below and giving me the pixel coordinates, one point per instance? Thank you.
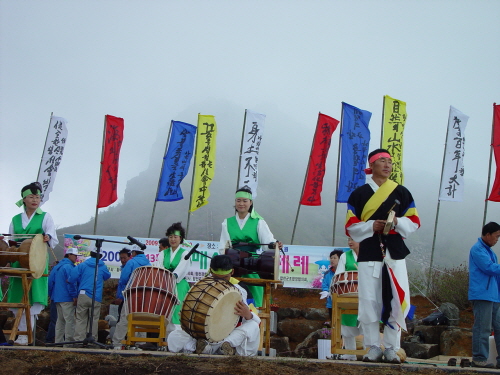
(447, 285)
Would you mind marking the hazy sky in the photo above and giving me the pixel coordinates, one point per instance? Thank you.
(147, 61)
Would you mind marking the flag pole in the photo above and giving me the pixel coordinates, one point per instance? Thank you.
(489, 167)
(43, 152)
(194, 174)
(338, 176)
(159, 178)
(241, 149)
(438, 206)
(382, 126)
(304, 183)
(100, 174)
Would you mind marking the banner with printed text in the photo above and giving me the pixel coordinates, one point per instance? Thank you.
(313, 185)
(355, 143)
(204, 161)
(495, 190)
(113, 138)
(52, 155)
(393, 125)
(176, 161)
(452, 180)
(300, 267)
(250, 147)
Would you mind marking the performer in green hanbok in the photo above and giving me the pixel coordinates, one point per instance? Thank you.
(172, 259)
(31, 221)
(249, 227)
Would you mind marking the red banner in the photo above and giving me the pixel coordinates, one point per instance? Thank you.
(311, 196)
(495, 191)
(109, 165)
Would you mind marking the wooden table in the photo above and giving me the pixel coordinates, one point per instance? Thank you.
(265, 310)
(23, 306)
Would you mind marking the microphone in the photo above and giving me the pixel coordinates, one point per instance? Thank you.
(77, 237)
(191, 251)
(136, 242)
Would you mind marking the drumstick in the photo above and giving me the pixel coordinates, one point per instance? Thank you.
(18, 235)
(396, 202)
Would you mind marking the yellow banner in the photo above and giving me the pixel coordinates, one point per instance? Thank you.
(393, 125)
(204, 161)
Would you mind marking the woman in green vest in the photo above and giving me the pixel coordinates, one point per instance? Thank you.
(349, 322)
(31, 221)
(172, 259)
(249, 227)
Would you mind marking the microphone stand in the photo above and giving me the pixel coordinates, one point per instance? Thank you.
(90, 339)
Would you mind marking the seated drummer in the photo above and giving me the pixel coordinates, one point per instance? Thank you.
(243, 340)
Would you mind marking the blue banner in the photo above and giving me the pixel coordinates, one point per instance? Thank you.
(355, 138)
(176, 161)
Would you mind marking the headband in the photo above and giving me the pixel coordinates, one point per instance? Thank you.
(221, 272)
(175, 233)
(24, 194)
(375, 158)
(243, 194)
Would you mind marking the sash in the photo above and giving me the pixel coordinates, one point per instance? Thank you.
(171, 266)
(377, 199)
(350, 263)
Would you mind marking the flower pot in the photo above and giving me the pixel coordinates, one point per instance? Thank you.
(324, 349)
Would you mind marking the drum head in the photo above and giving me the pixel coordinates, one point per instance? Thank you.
(221, 318)
(38, 256)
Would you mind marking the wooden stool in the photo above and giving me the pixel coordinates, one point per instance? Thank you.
(23, 306)
(342, 305)
(140, 322)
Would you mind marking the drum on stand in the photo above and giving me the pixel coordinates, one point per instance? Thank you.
(345, 284)
(151, 291)
(31, 254)
(208, 309)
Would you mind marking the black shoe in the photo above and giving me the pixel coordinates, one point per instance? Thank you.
(465, 362)
(452, 362)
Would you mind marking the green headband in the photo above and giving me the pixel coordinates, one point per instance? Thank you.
(175, 233)
(24, 194)
(220, 272)
(243, 194)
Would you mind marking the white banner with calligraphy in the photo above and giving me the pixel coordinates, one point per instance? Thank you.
(300, 266)
(452, 179)
(250, 146)
(52, 155)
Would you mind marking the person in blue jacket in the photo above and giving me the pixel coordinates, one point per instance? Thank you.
(327, 280)
(138, 260)
(63, 293)
(83, 276)
(484, 273)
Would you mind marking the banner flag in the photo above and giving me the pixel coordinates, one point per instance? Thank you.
(250, 146)
(355, 138)
(176, 161)
(204, 161)
(311, 196)
(393, 126)
(452, 180)
(495, 190)
(52, 155)
(109, 165)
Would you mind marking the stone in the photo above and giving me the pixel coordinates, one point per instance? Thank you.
(451, 312)
(429, 334)
(316, 314)
(456, 342)
(43, 320)
(281, 345)
(289, 313)
(298, 329)
(309, 347)
(419, 350)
